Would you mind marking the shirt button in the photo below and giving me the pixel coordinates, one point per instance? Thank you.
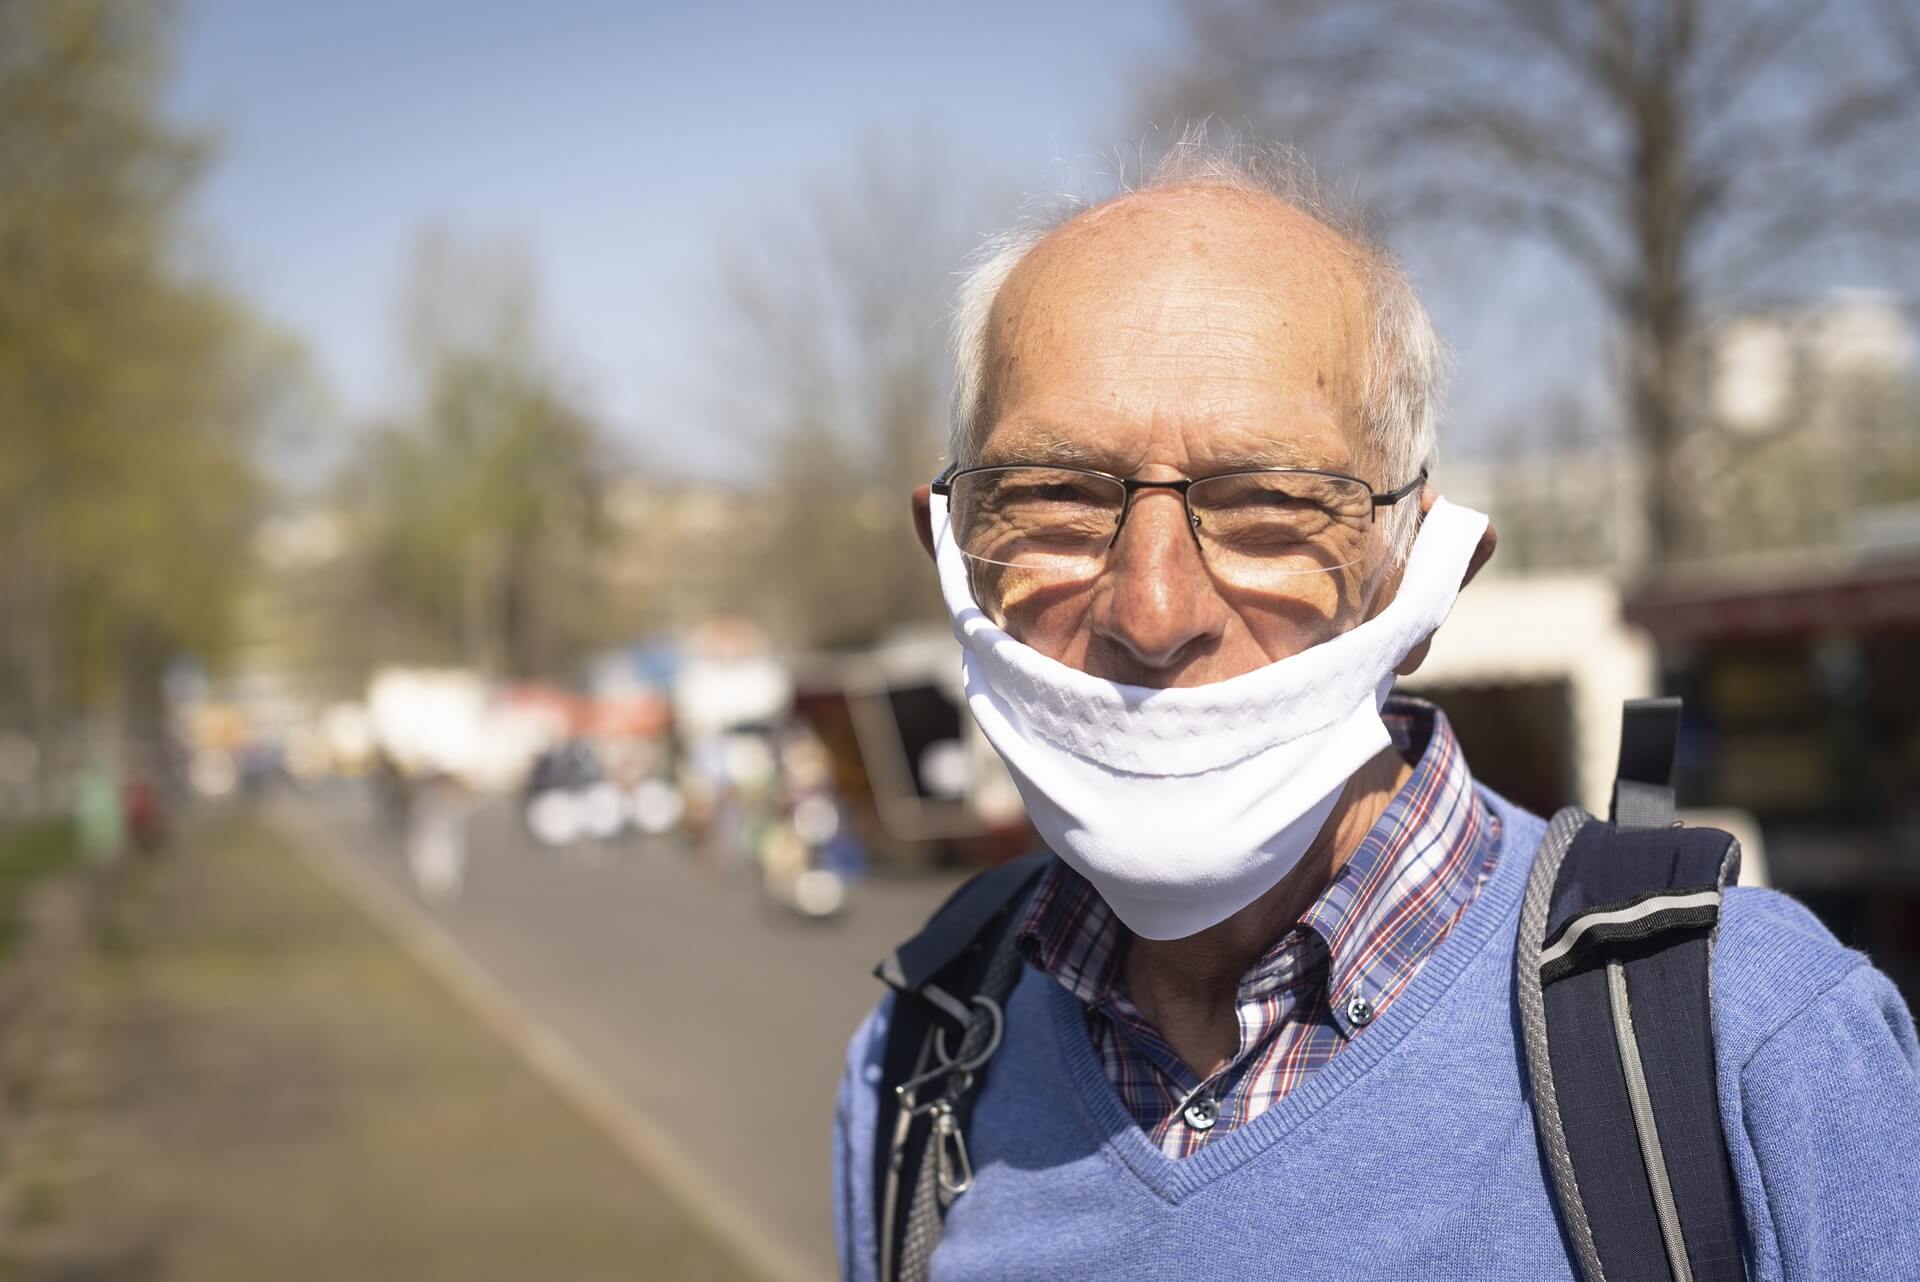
(1201, 1112)
(1359, 1010)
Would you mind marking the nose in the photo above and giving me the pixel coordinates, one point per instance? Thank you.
(1157, 605)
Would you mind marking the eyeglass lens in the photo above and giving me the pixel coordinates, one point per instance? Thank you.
(1254, 528)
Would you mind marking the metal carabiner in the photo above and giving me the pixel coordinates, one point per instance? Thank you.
(951, 1066)
(952, 1168)
(979, 1059)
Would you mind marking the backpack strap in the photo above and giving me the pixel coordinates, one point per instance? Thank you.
(1643, 783)
(1613, 977)
(950, 983)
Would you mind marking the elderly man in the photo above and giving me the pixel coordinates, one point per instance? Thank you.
(1259, 1012)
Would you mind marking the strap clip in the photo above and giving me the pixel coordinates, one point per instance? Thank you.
(1643, 786)
(952, 1168)
(959, 1071)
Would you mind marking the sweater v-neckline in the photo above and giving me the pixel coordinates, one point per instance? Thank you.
(1176, 1179)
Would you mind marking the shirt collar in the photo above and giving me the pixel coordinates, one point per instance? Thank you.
(1374, 922)
(1417, 867)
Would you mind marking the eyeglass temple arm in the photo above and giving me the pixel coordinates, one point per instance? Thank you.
(1394, 496)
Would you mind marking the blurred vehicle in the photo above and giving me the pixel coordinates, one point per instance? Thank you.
(918, 781)
(568, 798)
(597, 790)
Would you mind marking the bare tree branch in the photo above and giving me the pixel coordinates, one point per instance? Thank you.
(1902, 24)
(1752, 49)
(1668, 149)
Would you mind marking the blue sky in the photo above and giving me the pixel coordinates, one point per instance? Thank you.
(620, 141)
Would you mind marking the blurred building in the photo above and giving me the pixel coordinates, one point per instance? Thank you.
(1793, 634)
(1818, 420)
(288, 663)
(1801, 675)
(312, 632)
(675, 556)
(1771, 365)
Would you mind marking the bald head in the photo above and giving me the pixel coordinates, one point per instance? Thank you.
(1200, 308)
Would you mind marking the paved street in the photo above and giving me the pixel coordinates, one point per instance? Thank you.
(722, 1021)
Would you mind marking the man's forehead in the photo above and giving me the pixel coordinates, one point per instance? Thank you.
(1196, 306)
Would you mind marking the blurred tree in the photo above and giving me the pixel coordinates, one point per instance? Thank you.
(129, 391)
(1681, 154)
(833, 368)
(480, 511)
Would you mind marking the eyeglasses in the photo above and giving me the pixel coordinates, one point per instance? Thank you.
(1256, 527)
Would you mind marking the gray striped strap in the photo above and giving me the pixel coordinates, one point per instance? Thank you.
(1613, 981)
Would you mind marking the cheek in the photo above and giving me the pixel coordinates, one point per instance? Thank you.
(1310, 609)
(1049, 617)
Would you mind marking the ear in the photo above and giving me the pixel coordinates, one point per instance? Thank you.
(1489, 539)
(923, 516)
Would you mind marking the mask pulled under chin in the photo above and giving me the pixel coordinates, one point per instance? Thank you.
(1183, 806)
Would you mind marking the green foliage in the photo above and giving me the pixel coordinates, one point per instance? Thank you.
(29, 854)
(128, 390)
(480, 513)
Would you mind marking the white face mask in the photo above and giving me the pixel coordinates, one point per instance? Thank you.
(1183, 806)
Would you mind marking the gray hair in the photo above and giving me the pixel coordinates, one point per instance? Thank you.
(1407, 365)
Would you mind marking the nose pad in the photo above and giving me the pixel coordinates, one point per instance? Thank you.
(1193, 518)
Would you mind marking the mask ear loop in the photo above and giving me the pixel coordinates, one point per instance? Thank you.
(1392, 564)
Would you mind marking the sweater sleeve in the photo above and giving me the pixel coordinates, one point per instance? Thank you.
(853, 1123)
(1830, 1113)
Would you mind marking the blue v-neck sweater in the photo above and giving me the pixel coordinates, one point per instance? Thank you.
(1412, 1154)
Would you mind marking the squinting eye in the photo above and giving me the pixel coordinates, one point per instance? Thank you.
(1276, 498)
(1057, 492)
(1256, 499)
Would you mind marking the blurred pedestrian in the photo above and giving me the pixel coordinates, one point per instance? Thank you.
(437, 839)
(146, 820)
(98, 816)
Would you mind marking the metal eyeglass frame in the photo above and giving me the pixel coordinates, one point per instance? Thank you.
(943, 486)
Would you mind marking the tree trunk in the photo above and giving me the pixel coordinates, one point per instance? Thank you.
(518, 644)
(1659, 310)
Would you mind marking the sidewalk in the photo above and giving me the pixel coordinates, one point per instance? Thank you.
(256, 1083)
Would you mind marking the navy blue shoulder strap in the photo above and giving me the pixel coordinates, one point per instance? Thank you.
(951, 983)
(956, 925)
(1614, 968)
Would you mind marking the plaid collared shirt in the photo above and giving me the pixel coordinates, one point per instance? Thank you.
(1351, 953)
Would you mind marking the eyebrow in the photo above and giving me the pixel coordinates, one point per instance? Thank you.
(1044, 444)
(1039, 443)
(1277, 454)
